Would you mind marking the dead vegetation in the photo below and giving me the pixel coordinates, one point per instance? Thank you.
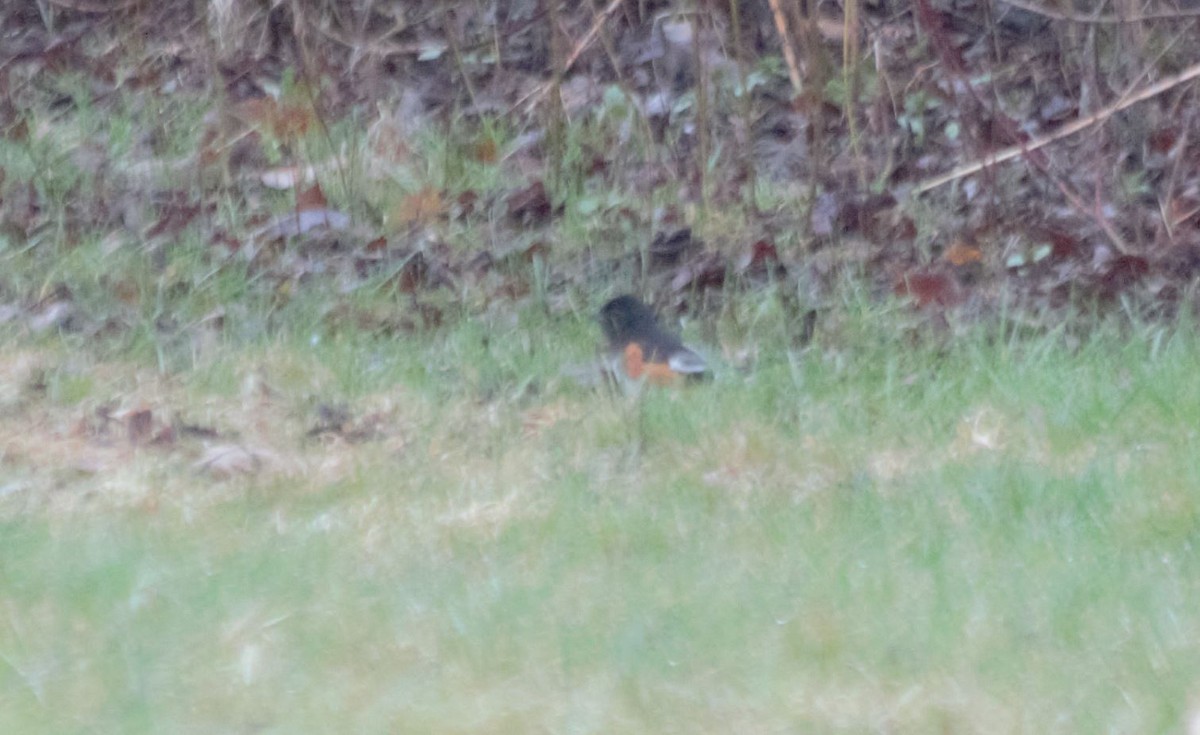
(962, 157)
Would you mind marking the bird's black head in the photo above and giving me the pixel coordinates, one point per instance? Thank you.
(625, 317)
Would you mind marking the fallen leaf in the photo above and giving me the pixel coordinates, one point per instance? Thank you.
(140, 424)
(707, 271)
(311, 199)
(292, 224)
(761, 259)
(668, 249)
(1122, 272)
(284, 120)
(420, 208)
(929, 287)
(530, 205)
(960, 254)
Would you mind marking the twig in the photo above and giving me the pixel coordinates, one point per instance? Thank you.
(785, 42)
(543, 89)
(1069, 129)
(1101, 19)
(1113, 236)
(82, 6)
(590, 36)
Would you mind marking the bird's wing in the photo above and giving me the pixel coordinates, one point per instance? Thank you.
(687, 362)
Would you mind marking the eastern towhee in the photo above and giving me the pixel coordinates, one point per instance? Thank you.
(641, 349)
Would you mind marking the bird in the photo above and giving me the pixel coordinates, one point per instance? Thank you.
(641, 349)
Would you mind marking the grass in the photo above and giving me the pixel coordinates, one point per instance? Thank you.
(994, 536)
(887, 532)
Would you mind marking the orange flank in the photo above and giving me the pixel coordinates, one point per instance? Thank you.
(655, 373)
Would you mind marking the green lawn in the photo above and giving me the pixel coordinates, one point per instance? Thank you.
(995, 536)
(362, 479)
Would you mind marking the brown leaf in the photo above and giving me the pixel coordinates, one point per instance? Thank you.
(310, 199)
(760, 259)
(1163, 139)
(140, 423)
(667, 249)
(1121, 273)
(928, 287)
(1064, 245)
(175, 214)
(961, 253)
(222, 239)
(861, 214)
(284, 120)
(165, 436)
(707, 271)
(464, 204)
(420, 208)
(485, 150)
(412, 273)
(531, 205)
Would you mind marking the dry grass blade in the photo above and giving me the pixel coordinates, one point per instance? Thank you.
(1102, 19)
(101, 6)
(785, 42)
(534, 97)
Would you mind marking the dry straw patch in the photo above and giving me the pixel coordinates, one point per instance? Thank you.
(138, 439)
(141, 440)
